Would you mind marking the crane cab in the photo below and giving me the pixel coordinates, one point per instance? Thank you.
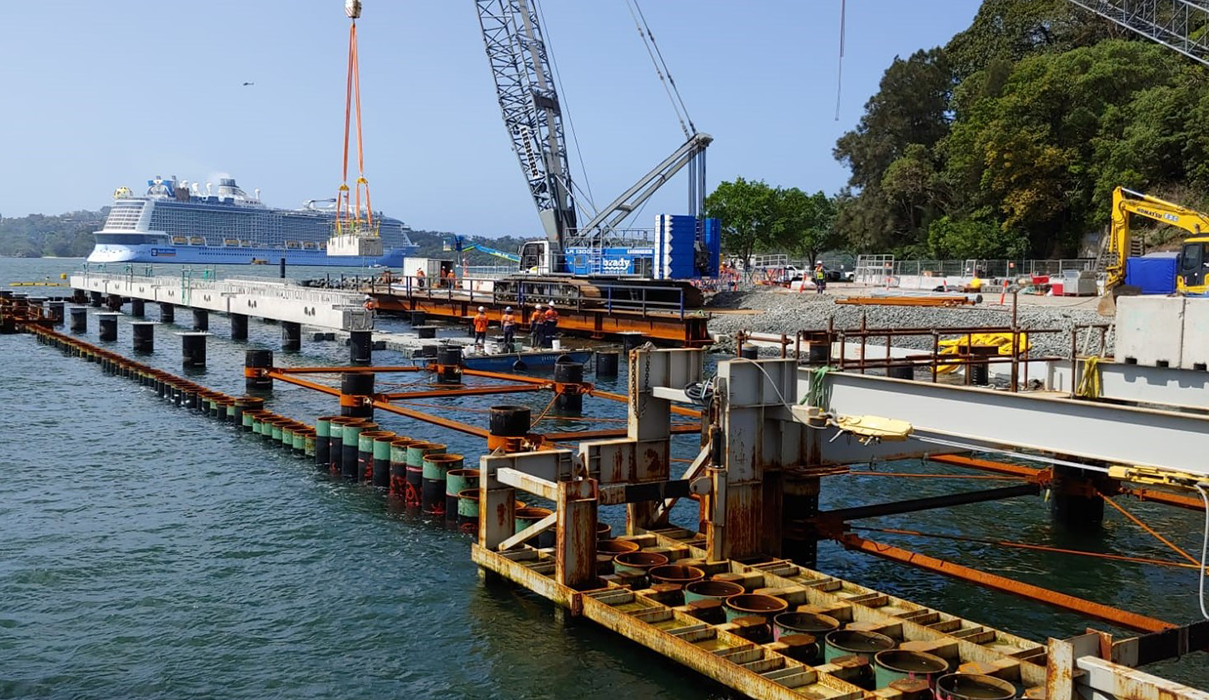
(537, 258)
(1193, 275)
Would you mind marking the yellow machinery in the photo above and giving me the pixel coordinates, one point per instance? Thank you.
(1194, 258)
(1002, 342)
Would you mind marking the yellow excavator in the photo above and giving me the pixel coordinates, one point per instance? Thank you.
(1191, 274)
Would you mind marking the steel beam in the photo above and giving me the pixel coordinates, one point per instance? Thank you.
(466, 391)
(1089, 608)
(687, 331)
(992, 419)
(917, 504)
(988, 465)
(1165, 386)
(1167, 644)
(528, 483)
(676, 429)
(1104, 679)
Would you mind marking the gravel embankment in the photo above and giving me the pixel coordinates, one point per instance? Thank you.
(785, 312)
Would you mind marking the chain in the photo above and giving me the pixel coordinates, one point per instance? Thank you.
(646, 384)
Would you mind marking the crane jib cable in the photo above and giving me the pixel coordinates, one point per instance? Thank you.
(661, 69)
(839, 79)
(666, 69)
(565, 111)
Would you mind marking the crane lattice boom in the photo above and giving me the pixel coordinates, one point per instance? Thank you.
(525, 86)
(1177, 24)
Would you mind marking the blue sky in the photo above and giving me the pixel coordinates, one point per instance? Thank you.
(99, 94)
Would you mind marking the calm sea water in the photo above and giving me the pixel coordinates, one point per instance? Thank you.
(147, 552)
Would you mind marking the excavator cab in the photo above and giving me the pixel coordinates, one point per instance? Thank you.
(1193, 276)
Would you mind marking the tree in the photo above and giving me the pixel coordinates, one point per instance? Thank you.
(1043, 151)
(902, 122)
(978, 237)
(748, 213)
(911, 107)
(805, 223)
(1013, 29)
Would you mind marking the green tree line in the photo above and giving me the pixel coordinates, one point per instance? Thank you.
(37, 235)
(758, 217)
(1006, 142)
(1009, 140)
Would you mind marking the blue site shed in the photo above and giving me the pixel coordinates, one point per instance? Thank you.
(1153, 273)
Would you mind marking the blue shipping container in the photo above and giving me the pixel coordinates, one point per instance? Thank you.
(1154, 273)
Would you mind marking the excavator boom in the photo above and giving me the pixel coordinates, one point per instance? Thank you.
(1127, 203)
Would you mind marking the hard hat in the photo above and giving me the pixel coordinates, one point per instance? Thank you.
(482, 308)
(508, 308)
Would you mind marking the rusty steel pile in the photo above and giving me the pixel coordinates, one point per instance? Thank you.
(737, 598)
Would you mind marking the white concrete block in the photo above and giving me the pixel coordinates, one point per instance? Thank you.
(1196, 334)
(1150, 330)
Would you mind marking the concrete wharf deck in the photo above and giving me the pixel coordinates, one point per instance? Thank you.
(265, 299)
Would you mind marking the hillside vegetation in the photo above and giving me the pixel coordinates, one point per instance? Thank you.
(1008, 141)
(37, 235)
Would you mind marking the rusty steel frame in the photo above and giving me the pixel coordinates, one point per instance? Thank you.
(988, 465)
(522, 383)
(385, 406)
(364, 369)
(914, 505)
(678, 429)
(1099, 611)
(848, 601)
(691, 331)
(464, 391)
(1045, 476)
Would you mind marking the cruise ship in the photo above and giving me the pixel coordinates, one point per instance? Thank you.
(178, 223)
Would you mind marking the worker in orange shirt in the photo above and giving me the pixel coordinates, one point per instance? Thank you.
(480, 329)
(551, 323)
(537, 323)
(508, 323)
(452, 278)
(420, 277)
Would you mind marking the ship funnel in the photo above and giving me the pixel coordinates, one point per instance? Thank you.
(257, 191)
(209, 188)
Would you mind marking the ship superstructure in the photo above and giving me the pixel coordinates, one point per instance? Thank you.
(177, 222)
